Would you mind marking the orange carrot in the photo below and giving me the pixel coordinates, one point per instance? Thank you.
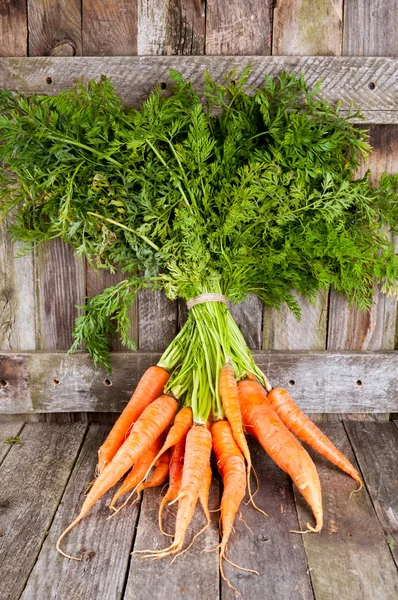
(229, 397)
(153, 421)
(196, 459)
(261, 421)
(290, 414)
(139, 470)
(175, 476)
(148, 389)
(231, 464)
(159, 476)
(204, 492)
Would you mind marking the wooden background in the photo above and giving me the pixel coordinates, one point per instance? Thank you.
(38, 293)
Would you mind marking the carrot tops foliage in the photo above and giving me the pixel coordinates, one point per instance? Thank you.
(254, 191)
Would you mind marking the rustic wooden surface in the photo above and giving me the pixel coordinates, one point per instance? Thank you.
(319, 381)
(43, 483)
(33, 479)
(350, 558)
(8, 430)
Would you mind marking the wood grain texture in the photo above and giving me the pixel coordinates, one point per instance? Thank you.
(238, 27)
(13, 28)
(282, 331)
(349, 328)
(369, 28)
(60, 286)
(17, 297)
(104, 545)
(33, 478)
(193, 575)
(344, 78)
(157, 320)
(95, 284)
(172, 27)
(54, 28)
(348, 559)
(305, 27)
(271, 550)
(109, 27)
(249, 316)
(333, 382)
(376, 450)
(8, 430)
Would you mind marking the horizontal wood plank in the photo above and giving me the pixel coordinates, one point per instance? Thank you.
(319, 381)
(33, 479)
(370, 83)
(350, 557)
(104, 545)
(376, 450)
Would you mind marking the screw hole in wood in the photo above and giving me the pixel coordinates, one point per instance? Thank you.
(359, 382)
(3, 383)
(107, 382)
(371, 85)
(291, 383)
(49, 80)
(163, 85)
(56, 382)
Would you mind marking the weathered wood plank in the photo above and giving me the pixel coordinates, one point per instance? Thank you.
(282, 331)
(238, 27)
(270, 544)
(109, 28)
(305, 27)
(319, 381)
(350, 557)
(54, 28)
(193, 575)
(95, 284)
(369, 28)
(344, 78)
(60, 286)
(8, 430)
(249, 316)
(104, 545)
(157, 320)
(175, 27)
(33, 478)
(376, 450)
(17, 297)
(13, 28)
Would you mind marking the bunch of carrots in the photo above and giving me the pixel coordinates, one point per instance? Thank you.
(154, 431)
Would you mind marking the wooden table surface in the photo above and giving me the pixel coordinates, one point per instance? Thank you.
(43, 480)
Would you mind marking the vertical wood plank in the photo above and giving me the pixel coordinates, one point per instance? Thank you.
(165, 27)
(95, 284)
(8, 430)
(303, 27)
(17, 297)
(368, 31)
(170, 27)
(249, 316)
(109, 27)
(54, 28)
(13, 28)
(60, 285)
(237, 27)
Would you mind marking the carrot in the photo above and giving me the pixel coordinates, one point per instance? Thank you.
(261, 421)
(153, 421)
(196, 459)
(139, 470)
(148, 389)
(231, 465)
(295, 420)
(204, 492)
(159, 476)
(182, 424)
(175, 476)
